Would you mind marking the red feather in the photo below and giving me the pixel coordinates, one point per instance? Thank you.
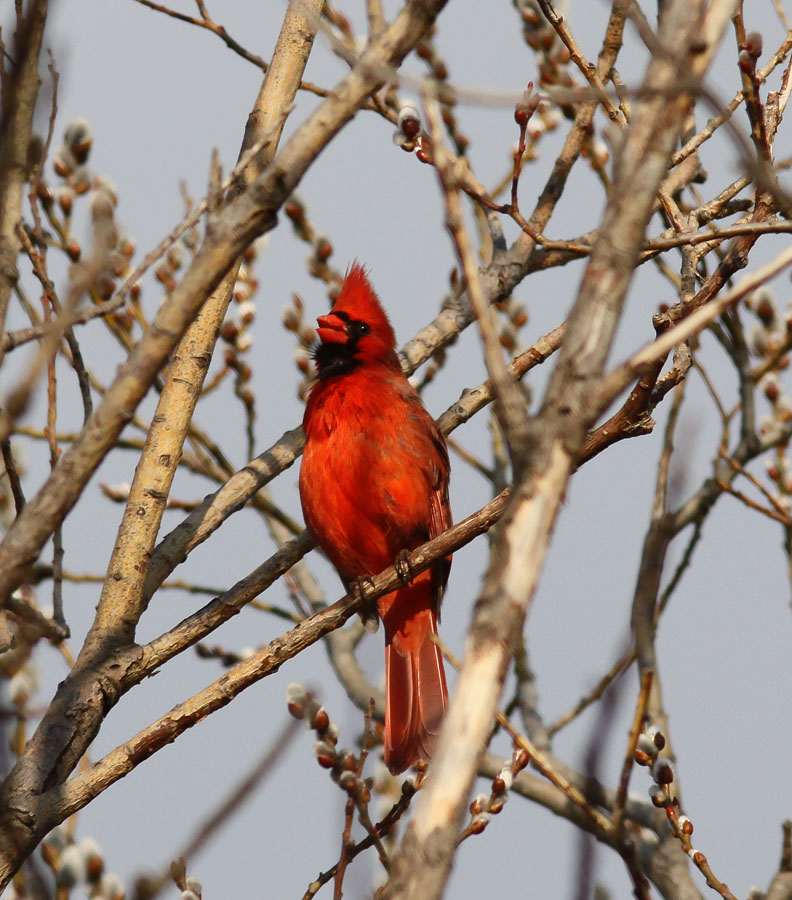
(374, 483)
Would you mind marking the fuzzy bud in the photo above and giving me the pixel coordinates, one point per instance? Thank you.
(348, 782)
(657, 736)
(409, 121)
(320, 720)
(401, 140)
(685, 825)
(112, 888)
(324, 249)
(772, 387)
(479, 823)
(78, 138)
(22, 686)
(479, 805)
(81, 180)
(325, 754)
(65, 197)
(102, 206)
(424, 153)
(753, 44)
(504, 780)
(296, 698)
(497, 804)
(94, 862)
(647, 746)
(294, 210)
(64, 162)
(657, 795)
(246, 311)
(520, 759)
(662, 771)
(71, 867)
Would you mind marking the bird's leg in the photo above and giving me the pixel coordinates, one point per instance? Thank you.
(356, 587)
(404, 568)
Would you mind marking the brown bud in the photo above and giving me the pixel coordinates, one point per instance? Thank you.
(643, 759)
(94, 867)
(321, 720)
(498, 785)
(409, 122)
(74, 250)
(65, 198)
(44, 193)
(294, 210)
(324, 249)
(477, 826)
(662, 772)
(296, 709)
(105, 287)
(325, 760)
(765, 311)
(520, 760)
(424, 152)
(63, 162)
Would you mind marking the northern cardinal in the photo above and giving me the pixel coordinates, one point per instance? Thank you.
(373, 485)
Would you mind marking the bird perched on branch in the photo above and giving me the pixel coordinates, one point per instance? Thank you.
(374, 485)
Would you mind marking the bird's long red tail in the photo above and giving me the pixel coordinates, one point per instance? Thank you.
(415, 683)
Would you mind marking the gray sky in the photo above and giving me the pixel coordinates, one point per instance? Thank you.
(160, 95)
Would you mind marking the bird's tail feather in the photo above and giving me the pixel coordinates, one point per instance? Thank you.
(415, 679)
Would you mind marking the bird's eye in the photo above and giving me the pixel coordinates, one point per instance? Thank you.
(358, 329)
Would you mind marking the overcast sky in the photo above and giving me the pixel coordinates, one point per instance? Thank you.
(160, 95)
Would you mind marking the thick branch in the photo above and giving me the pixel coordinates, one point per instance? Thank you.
(20, 91)
(689, 38)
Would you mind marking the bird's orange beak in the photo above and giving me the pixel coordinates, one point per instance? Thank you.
(332, 329)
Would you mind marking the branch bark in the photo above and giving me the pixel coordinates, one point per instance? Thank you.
(19, 102)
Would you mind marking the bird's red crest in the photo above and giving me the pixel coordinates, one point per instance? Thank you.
(358, 299)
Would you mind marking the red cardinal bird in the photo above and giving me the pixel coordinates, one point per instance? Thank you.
(374, 484)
